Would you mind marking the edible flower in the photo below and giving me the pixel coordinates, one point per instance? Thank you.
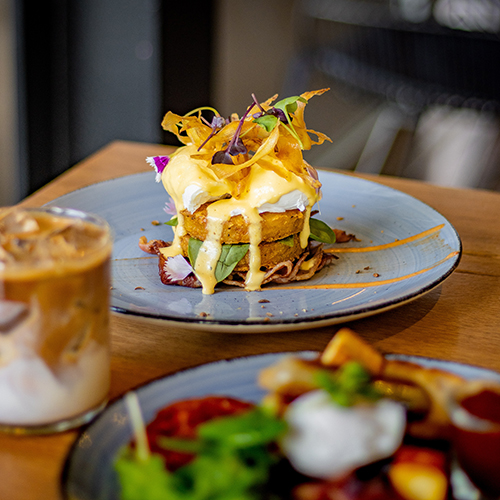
(158, 163)
(177, 268)
(169, 207)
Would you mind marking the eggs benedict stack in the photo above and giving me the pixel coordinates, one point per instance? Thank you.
(243, 198)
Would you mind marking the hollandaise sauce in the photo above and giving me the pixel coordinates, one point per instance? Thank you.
(306, 230)
(210, 251)
(255, 275)
(179, 232)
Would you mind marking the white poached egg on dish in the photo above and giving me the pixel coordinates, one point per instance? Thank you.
(326, 440)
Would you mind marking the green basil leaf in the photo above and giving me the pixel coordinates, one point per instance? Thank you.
(194, 246)
(288, 241)
(173, 221)
(267, 122)
(321, 231)
(230, 256)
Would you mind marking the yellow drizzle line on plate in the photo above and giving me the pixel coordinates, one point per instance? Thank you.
(366, 284)
(386, 245)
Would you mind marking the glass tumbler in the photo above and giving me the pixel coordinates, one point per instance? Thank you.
(54, 318)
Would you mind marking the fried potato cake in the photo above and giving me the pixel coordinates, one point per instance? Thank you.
(274, 226)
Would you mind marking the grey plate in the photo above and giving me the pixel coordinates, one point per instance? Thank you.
(88, 472)
(376, 214)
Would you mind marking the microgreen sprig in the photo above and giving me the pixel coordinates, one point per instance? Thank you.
(235, 147)
(281, 111)
(217, 123)
(203, 108)
(349, 385)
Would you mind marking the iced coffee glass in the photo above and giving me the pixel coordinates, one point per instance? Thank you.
(54, 314)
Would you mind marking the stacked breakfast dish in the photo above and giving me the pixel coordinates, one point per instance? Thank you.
(243, 197)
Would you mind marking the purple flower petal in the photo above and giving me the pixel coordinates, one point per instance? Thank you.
(177, 268)
(158, 163)
(170, 207)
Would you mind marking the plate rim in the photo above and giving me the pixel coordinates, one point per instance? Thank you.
(277, 324)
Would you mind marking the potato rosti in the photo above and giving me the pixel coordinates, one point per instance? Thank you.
(274, 226)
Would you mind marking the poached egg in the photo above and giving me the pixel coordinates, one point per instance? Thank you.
(326, 440)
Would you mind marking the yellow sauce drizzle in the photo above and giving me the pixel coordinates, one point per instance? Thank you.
(209, 253)
(306, 230)
(393, 244)
(267, 187)
(179, 231)
(254, 276)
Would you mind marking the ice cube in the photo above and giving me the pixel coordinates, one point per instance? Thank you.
(80, 236)
(16, 222)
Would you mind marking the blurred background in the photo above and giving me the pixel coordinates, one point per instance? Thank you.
(415, 84)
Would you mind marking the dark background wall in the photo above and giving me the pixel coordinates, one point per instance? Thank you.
(92, 71)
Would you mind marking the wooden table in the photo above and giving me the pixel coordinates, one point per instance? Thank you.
(458, 320)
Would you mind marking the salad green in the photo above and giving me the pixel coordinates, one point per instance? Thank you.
(233, 460)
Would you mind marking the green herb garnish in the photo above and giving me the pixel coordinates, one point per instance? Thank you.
(173, 221)
(230, 256)
(321, 231)
(349, 385)
(232, 461)
(288, 241)
(281, 111)
(140, 480)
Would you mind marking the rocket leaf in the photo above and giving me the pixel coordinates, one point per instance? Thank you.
(349, 385)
